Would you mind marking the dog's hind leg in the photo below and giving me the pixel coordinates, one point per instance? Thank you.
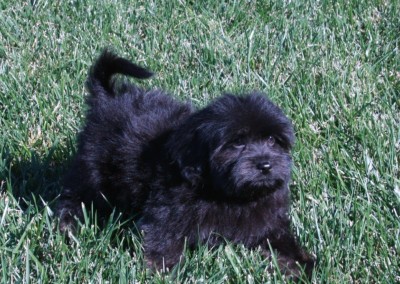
(69, 210)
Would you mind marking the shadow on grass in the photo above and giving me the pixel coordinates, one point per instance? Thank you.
(35, 178)
(35, 181)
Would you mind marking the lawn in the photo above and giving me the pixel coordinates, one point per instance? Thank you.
(333, 66)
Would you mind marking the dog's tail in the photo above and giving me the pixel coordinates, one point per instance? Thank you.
(109, 64)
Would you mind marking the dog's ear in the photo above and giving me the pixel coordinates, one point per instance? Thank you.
(189, 150)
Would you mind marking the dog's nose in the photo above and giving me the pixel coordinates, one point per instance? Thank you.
(264, 166)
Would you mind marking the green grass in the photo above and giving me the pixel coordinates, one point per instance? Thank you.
(333, 66)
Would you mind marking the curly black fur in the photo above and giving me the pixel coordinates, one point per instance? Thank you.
(189, 177)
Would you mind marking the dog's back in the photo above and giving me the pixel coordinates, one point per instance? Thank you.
(122, 118)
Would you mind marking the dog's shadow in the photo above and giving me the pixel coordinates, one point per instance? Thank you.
(35, 178)
(35, 183)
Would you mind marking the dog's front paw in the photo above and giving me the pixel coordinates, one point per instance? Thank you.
(162, 263)
(308, 262)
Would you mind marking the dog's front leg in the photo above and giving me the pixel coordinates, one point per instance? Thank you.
(162, 251)
(291, 258)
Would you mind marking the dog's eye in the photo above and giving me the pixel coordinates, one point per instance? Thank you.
(271, 141)
(238, 143)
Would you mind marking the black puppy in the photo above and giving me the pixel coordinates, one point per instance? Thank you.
(189, 177)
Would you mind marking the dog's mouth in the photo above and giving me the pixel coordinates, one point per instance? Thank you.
(265, 184)
(262, 187)
(245, 189)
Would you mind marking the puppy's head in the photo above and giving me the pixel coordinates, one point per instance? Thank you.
(237, 147)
